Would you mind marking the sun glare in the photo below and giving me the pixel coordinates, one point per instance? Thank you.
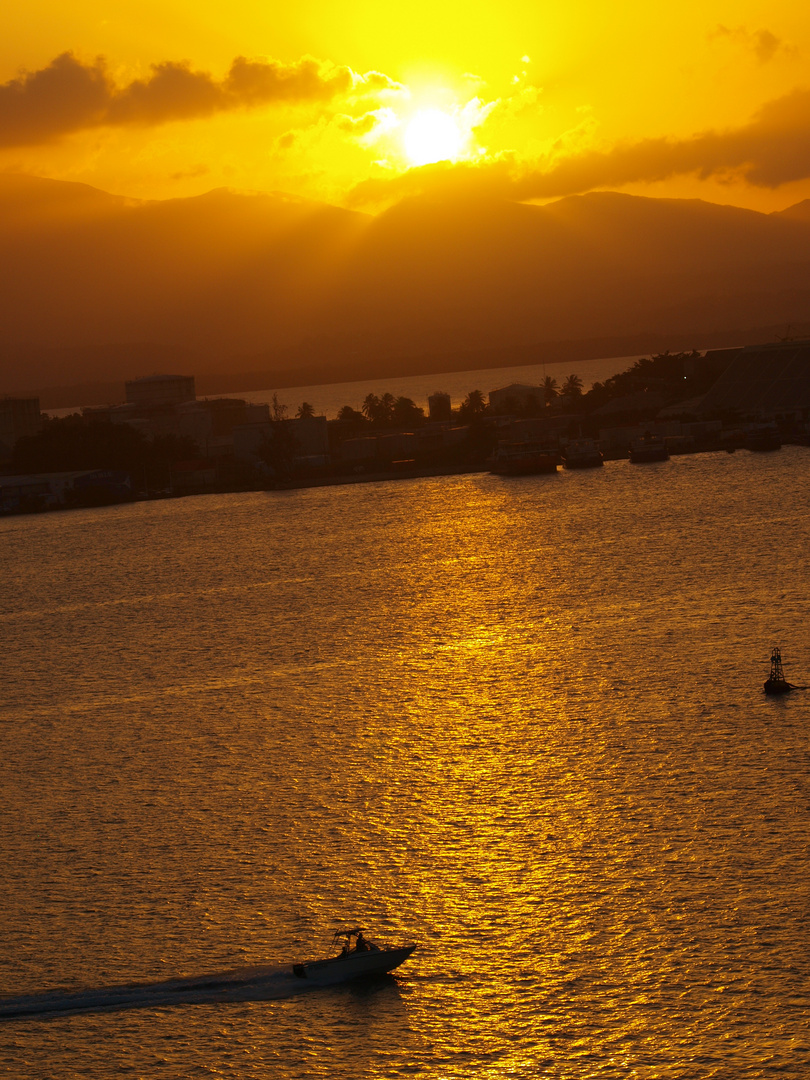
(432, 135)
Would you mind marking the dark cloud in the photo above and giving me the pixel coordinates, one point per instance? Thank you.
(192, 173)
(69, 95)
(357, 125)
(762, 43)
(772, 149)
(42, 105)
(257, 82)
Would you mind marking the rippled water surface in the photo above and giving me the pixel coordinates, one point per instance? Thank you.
(519, 721)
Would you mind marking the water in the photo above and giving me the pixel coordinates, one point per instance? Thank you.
(521, 721)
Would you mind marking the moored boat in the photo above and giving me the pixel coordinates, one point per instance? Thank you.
(649, 448)
(358, 957)
(524, 459)
(582, 454)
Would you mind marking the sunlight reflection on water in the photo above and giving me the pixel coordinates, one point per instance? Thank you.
(521, 722)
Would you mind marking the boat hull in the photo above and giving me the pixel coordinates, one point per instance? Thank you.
(339, 969)
(583, 461)
(524, 463)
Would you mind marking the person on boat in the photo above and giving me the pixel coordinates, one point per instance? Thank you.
(362, 944)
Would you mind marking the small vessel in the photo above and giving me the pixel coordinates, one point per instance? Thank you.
(776, 683)
(649, 448)
(524, 459)
(582, 454)
(357, 957)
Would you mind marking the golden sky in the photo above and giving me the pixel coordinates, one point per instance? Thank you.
(361, 103)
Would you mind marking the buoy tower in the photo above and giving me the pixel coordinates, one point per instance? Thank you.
(776, 683)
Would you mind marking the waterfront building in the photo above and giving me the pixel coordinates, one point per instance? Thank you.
(310, 437)
(545, 429)
(770, 381)
(516, 398)
(439, 407)
(49, 491)
(156, 390)
(211, 423)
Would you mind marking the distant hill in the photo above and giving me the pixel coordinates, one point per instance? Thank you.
(99, 288)
(797, 212)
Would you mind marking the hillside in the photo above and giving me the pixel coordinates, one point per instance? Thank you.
(94, 287)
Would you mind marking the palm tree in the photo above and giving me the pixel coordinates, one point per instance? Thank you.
(549, 389)
(471, 407)
(406, 412)
(572, 387)
(305, 411)
(371, 407)
(387, 403)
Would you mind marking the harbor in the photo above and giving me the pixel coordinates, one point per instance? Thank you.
(452, 709)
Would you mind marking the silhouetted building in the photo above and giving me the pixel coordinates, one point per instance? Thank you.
(639, 403)
(516, 398)
(211, 423)
(711, 365)
(193, 476)
(398, 446)
(770, 380)
(18, 417)
(309, 437)
(439, 406)
(156, 390)
(539, 429)
(45, 491)
(361, 451)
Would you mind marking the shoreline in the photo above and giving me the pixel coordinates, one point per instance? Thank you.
(381, 476)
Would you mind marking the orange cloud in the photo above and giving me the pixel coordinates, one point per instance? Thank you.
(772, 149)
(69, 96)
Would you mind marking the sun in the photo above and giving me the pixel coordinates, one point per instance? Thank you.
(432, 135)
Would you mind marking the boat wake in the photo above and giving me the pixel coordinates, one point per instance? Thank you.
(242, 984)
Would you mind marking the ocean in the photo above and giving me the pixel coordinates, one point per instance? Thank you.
(518, 721)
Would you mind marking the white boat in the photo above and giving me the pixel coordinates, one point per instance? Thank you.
(358, 957)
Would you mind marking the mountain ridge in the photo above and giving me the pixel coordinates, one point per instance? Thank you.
(229, 281)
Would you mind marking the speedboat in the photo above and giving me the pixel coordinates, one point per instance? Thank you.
(357, 957)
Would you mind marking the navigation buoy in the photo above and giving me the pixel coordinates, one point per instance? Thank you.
(776, 683)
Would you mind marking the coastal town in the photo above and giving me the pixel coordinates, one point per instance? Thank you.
(164, 441)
